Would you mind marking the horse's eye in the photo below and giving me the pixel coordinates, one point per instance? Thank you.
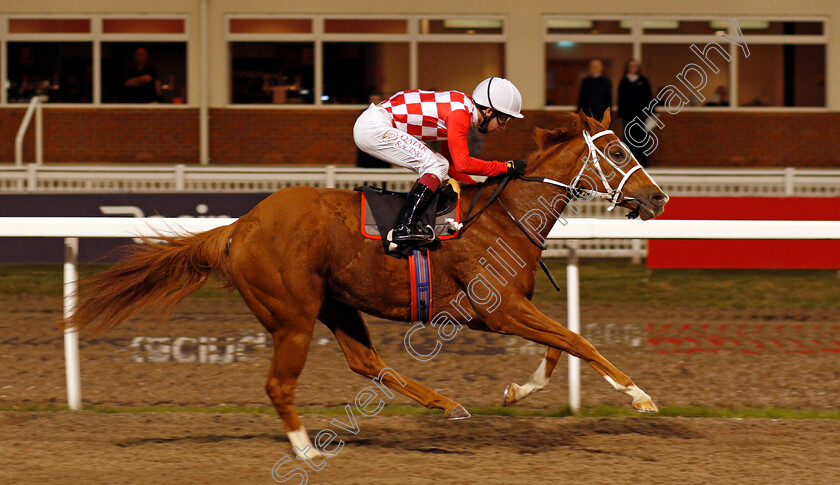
(618, 155)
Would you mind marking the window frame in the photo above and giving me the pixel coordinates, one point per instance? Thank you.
(413, 37)
(96, 37)
(637, 38)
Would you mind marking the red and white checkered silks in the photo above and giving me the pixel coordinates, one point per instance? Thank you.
(422, 114)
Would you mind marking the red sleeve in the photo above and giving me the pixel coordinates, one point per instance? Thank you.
(453, 172)
(457, 127)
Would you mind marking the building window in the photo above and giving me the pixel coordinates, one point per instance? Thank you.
(786, 65)
(272, 72)
(54, 57)
(662, 63)
(330, 60)
(458, 66)
(358, 72)
(49, 26)
(567, 64)
(783, 75)
(365, 26)
(144, 72)
(61, 71)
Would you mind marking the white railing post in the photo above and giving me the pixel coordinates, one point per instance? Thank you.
(180, 178)
(24, 125)
(330, 177)
(31, 177)
(71, 337)
(573, 324)
(636, 250)
(39, 133)
(790, 181)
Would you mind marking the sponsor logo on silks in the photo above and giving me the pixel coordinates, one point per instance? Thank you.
(390, 137)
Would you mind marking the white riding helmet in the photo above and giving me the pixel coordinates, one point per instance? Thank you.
(500, 94)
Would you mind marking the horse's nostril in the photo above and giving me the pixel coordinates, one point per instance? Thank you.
(659, 198)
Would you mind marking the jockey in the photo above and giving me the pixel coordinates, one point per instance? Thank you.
(396, 129)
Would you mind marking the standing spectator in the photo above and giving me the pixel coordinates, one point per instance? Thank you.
(595, 91)
(142, 84)
(634, 95)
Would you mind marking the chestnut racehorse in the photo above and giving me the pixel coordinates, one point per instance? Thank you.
(298, 257)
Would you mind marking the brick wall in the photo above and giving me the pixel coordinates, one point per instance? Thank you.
(292, 137)
(309, 137)
(106, 135)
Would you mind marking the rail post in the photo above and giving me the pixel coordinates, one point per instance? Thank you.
(180, 177)
(330, 177)
(39, 133)
(790, 180)
(71, 336)
(31, 177)
(573, 324)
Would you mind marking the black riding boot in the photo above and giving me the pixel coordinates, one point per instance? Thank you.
(410, 228)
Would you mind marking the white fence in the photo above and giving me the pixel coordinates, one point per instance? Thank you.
(117, 178)
(182, 178)
(72, 228)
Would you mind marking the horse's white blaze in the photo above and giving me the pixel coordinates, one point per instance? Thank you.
(632, 391)
(300, 440)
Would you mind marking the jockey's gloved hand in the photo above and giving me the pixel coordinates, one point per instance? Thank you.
(516, 168)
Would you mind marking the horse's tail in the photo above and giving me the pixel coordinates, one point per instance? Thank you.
(161, 272)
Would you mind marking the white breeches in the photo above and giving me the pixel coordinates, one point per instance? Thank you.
(375, 135)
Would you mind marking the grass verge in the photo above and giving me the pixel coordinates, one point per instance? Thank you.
(406, 410)
(615, 281)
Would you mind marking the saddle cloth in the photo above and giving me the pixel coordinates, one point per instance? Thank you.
(380, 208)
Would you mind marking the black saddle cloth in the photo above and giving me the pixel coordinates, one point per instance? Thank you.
(382, 207)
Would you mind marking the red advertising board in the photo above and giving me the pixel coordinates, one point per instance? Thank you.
(779, 254)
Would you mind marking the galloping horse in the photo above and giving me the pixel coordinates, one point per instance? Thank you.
(298, 257)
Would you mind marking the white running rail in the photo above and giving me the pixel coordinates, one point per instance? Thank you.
(34, 107)
(72, 228)
(676, 182)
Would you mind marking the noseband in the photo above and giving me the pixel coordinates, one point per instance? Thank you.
(614, 196)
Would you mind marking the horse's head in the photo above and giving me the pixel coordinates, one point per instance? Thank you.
(584, 154)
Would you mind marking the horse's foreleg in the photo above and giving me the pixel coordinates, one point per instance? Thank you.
(538, 380)
(522, 318)
(352, 334)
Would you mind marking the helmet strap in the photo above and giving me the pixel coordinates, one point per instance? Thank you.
(482, 128)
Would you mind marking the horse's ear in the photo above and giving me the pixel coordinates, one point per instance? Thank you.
(606, 119)
(584, 119)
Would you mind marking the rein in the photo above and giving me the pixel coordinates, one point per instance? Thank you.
(614, 196)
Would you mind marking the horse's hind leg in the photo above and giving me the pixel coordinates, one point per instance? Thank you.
(291, 330)
(538, 380)
(351, 332)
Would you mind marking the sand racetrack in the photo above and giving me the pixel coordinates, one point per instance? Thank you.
(680, 356)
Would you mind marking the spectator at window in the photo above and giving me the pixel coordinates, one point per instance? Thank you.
(142, 84)
(634, 95)
(595, 91)
(720, 98)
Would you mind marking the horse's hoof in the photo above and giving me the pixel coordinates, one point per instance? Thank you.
(645, 406)
(510, 395)
(458, 412)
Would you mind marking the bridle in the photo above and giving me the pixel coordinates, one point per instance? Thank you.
(614, 196)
